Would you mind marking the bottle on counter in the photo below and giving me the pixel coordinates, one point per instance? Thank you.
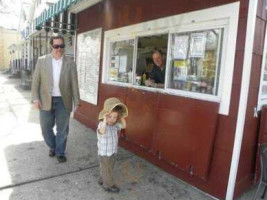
(143, 78)
(129, 76)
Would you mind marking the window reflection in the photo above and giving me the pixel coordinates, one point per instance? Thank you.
(121, 61)
(264, 81)
(195, 61)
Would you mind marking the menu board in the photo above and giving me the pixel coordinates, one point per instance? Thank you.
(88, 62)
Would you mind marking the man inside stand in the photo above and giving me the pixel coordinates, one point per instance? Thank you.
(157, 75)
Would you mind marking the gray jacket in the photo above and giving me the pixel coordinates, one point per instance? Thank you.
(42, 83)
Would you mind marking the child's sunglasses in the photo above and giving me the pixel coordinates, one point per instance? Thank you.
(56, 46)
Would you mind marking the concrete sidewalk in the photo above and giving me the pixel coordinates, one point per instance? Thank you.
(28, 173)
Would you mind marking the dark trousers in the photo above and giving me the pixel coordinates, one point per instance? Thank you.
(59, 116)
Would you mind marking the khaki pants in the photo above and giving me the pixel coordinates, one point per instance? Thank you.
(106, 169)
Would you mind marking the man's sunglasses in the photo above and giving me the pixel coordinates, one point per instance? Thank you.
(56, 46)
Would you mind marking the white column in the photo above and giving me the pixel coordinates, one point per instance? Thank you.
(251, 23)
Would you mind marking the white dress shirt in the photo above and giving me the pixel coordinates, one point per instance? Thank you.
(56, 66)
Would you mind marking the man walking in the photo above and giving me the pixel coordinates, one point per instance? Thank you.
(54, 88)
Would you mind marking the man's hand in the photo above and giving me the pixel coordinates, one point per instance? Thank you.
(150, 83)
(37, 104)
(76, 107)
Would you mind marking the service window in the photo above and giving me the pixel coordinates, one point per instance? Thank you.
(195, 61)
(145, 65)
(197, 51)
(121, 61)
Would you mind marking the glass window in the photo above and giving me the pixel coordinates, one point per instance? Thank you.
(262, 98)
(264, 81)
(121, 61)
(263, 85)
(195, 61)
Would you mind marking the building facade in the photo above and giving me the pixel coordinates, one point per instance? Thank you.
(201, 123)
(7, 38)
(190, 126)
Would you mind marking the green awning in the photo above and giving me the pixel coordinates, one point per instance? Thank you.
(52, 11)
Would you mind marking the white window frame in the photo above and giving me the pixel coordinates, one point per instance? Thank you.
(262, 99)
(205, 26)
(107, 60)
(225, 16)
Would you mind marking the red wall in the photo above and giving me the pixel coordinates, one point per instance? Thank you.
(250, 139)
(197, 135)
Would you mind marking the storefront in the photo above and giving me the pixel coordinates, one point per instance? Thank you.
(14, 67)
(191, 123)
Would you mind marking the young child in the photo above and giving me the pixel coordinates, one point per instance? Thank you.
(112, 121)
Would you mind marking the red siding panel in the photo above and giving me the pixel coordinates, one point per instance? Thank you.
(225, 134)
(234, 101)
(239, 60)
(255, 70)
(243, 8)
(241, 34)
(90, 19)
(259, 36)
(142, 107)
(106, 91)
(131, 12)
(186, 132)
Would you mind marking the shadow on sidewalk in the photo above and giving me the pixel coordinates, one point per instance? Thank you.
(27, 164)
(34, 175)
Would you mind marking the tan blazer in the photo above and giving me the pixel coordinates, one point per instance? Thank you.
(42, 82)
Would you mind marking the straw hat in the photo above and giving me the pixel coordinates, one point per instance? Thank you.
(111, 103)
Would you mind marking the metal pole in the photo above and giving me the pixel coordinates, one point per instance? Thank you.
(46, 42)
(40, 44)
